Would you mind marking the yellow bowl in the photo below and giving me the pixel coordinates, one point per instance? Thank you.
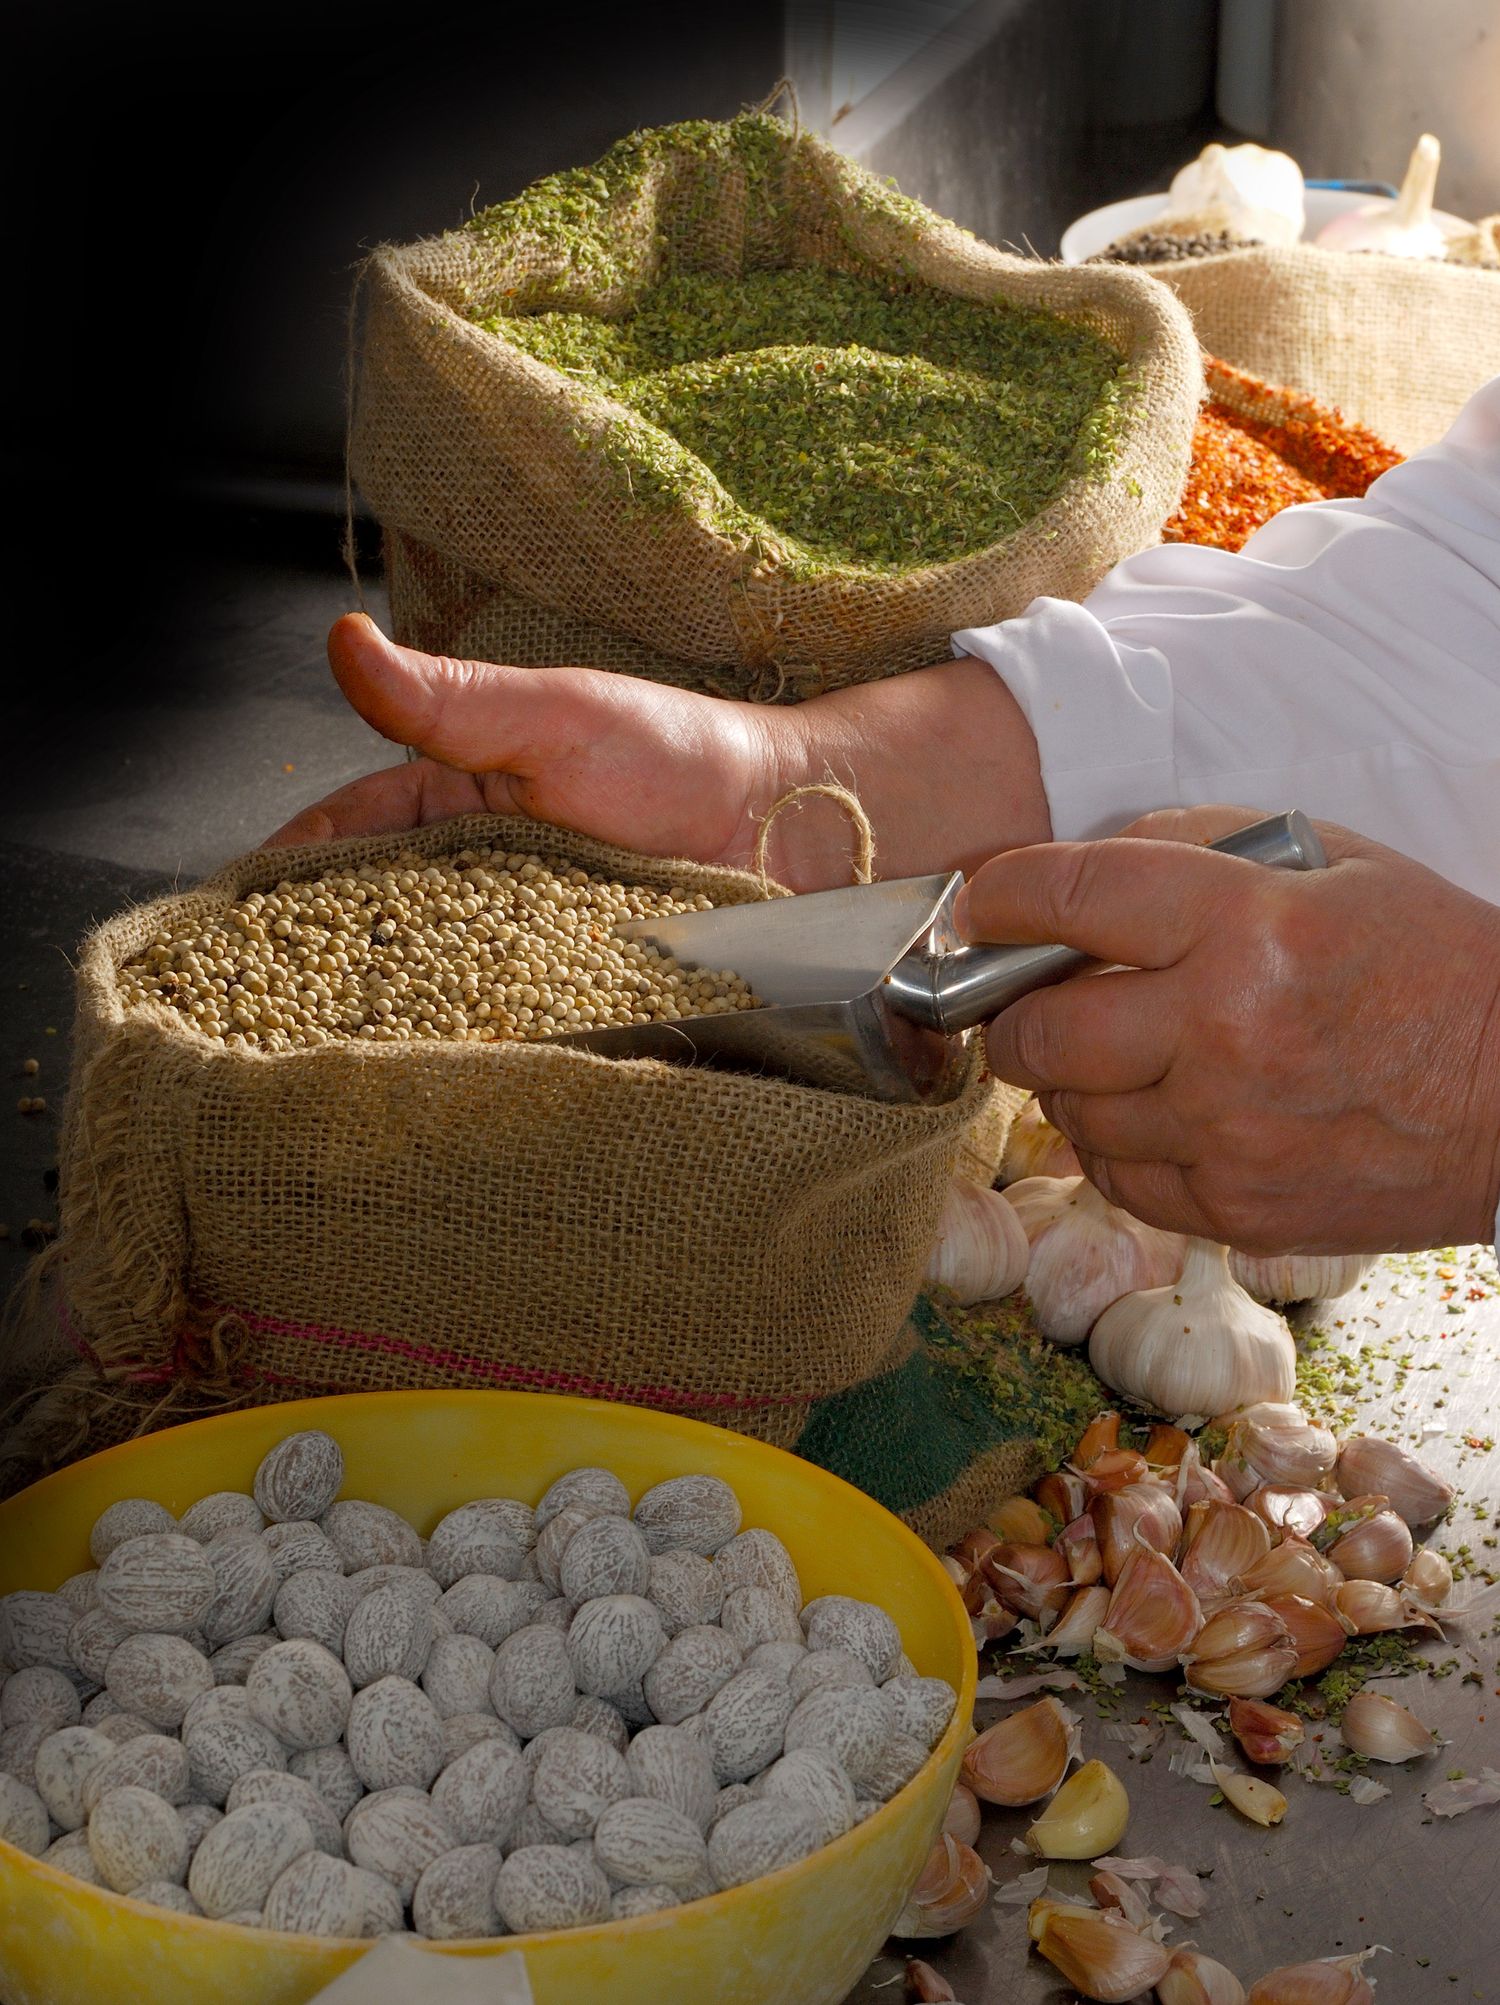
(801, 1936)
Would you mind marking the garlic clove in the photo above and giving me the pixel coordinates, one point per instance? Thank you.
(926, 1986)
(1030, 1580)
(1079, 1546)
(1278, 1441)
(1192, 1979)
(1371, 1607)
(1073, 1632)
(961, 1819)
(1115, 1470)
(973, 1546)
(953, 1888)
(1335, 1981)
(1243, 1650)
(1140, 1514)
(1237, 1352)
(1219, 1543)
(1101, 1436)
(1299, 1277)
(1085, 1819)
(1034, 1148)
(1062, 1495)
(1021, 1759)
(1266, 1734)
(1198, 1485)
(1085, 1254)
(1165, 1447)
(1153, 1614)
(1110, 1891)
(1294, 1567)
(956, 1570)
(1429, 1578)
(1019, 1521)
(1316, 1632)
(1377, 1548)
(980, 1252)
(1253, 1797)
(991, 1622)
(1286, 1509)
(1416, 1493)
(1099, 1955)
(1381, 1730)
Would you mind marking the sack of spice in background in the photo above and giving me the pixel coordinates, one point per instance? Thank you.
(1259, 448)
(726, 410)
(1398, 344)
(297, 1159)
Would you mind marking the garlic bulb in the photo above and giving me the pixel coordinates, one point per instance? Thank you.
(953, 1888)
(980, 1251)
(1249, 189)
(1198, 1346)
(1192, 1979)
(1381, 1730)
(1097, 1951)
(1367, 1465)
(1034, 1148)
(1299, 1277)
(1085, 1254)
(1086, 1818)
(1401, 229)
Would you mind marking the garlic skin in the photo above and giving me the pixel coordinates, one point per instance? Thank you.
(1334, 1981)
(1085, 1819)
(1022, 1759)
(980, 1252)
(1415, 1493)
(1317, 1633)
(953, 1888)
(1278, 1441)
(1251, 1795)
(1400, 229)
(1429, 1578)
(1381, 1730)
(1085, 1254)
(1300, 1277)
(1242, 1651)
(1192, 1979)
(1266, 1734)
(1379, 1547)
(1034, 1148)
(1100, 1955)
(1153, 1615)
(1199, 1346)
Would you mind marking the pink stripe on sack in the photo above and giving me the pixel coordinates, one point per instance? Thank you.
(527, 1377)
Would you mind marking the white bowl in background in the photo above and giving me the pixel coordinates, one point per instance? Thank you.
(1097, 230)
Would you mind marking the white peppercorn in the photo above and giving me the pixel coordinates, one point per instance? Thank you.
(224, 1702)
(822, 1668)
(730, 1797)
(673, 1767)
(18, 1750)
(118, 1727)
(629, 1902)
(81, 1590)
(129, 1518)
(241, 1858)
(161, 1581)
(389, 1635)
(301, 1693)
(688, 1589)
(150, 1761)
(415, 1580)
(779, 1660)
(34, 1629)
(577, 1777)
(243, 1918)
(277, 1785)
(231, 1662)
(246, 1583)
(838, 1622)
(455, 1897)
(64, 1762)
(317, 1604)
(753, 1615)
(70, 1854)
(598, 1716)
(319, 1893)
(398, 1837)
(531, 1828)
(532, 1685)
(554, 1538)
(220, 1749)
(551, 1886)
(900, 1759)
(692, 1666)
(745, 1722)
(221, 1511)
(386, 1910)
(394, 1734)
(699, 1512)
(331, 1773)
(613, 1640)
(93, 1640)
(300, 1477)
(480, 1605)
(41, 1693)
(164, 1894)
(757, 1558)
(921, 1707)
(557, 1613)
(157, 1677)
(641, 1841)
(482, 1792)
(760, 1838)
(600, 1489)
(136, 1836)
(607, 1556)
(815, 1779)
(300, 1546)
(371, 1535)
(456, 1676)
(490, 1535)
(850, 1721)
(198, 1819)
(23, 1817)
(461, 1731)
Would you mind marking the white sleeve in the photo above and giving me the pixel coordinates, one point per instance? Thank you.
(1346, 662)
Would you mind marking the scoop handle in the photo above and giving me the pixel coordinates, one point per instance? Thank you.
(976, 983)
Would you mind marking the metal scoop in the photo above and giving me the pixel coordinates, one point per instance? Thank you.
(870, 990)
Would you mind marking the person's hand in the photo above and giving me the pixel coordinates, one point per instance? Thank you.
(942, 761)
(1284, 1062)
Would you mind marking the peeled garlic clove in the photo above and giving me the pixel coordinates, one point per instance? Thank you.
(1141, 1514)
(1254, 1798)
(1153, 1614)
(1243, 1650)
(926, 1986)
(1031, 1580)
(1192, 1979)
(1335, 1981)
(1286, 1509)
(1073, 1632)
(953, 1888)
(1278, 1441)
(1019, 1521)
(1062, 1495)
(1299, 1277)
(1416, 1493)
(1102, 1957)
(1220, 1542)
(1200, 1345)
(1034, 1148)
(1429, 1578)
(1079, 1546)
(1316, 1632)
(980, 1252)
(1378, 1728)
(961, 1819)
(1085, 1819)
(1267, 1734)
(1022, 1759)
(1085, 1254)
(1294, 1567)
(1101, 1436)
(1378, 1548)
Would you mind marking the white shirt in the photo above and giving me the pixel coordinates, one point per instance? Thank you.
(1346, 662)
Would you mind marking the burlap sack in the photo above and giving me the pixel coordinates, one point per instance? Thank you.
(1398, 344)
(244, 1226)
(513, 528)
